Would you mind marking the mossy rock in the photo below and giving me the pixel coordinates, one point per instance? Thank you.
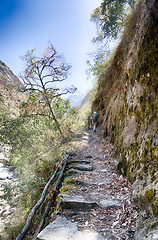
(68, 185)
(150, 194)
(122, 166)
(69, 180)
(67, 188)
(155, 208)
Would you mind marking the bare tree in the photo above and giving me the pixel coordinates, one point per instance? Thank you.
(42, 73)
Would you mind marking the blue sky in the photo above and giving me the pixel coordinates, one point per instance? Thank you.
(30, 24)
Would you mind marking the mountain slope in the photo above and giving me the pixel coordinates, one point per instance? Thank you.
(9, 94)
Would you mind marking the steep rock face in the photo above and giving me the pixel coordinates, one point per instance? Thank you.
(127, 103)
(10, 97)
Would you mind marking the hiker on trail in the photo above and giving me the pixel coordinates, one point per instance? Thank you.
(89, 121)
(95, 120)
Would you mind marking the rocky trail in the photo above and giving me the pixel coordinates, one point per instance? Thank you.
(95, 202)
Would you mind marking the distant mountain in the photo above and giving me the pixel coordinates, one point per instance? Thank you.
(85, 100)
(75, 99)
(9, 94)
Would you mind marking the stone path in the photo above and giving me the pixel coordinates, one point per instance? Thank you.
(95, 202)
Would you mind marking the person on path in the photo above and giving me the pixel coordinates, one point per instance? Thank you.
(89, 121)
(95, 120)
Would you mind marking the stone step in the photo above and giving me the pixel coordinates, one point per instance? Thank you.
(63, 229)
(76, 202)
(80, 161)
(82, 167)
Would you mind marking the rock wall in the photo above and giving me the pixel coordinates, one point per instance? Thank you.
(127, 103)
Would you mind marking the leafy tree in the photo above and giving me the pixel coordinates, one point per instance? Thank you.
(34, 125)
(40, 75)
(110, 18)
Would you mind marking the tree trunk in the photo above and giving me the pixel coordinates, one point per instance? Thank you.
(50, 107)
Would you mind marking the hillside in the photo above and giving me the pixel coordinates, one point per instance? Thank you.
(127, 103)
(9, 94)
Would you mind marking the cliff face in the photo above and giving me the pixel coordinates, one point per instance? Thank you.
(127, 103)
(10, 97)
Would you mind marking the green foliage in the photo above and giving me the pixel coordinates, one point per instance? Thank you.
(36, 147)
(7, 191)
(114, 14)
(110, 18)
(30, 127)
(150, 194)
